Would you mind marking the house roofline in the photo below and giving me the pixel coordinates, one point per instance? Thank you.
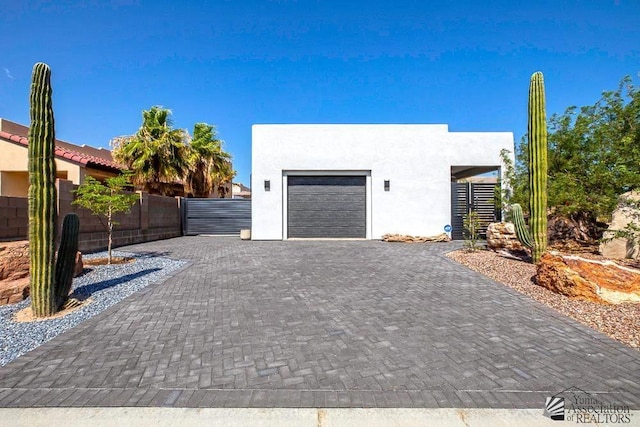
(67, 154)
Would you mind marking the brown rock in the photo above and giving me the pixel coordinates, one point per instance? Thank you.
(579, 227)
(14, 291)
(14, 271)
(586, 279)
(79, 265)
(14, 260)
(403, 238)
(502, 235)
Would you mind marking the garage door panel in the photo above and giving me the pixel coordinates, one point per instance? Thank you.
(303, 217)
(322, 190)
(346, 199)
(339, 232)
(326, 206)
(322, 181)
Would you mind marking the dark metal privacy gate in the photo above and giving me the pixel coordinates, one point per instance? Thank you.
(215, 216)
(473, 196)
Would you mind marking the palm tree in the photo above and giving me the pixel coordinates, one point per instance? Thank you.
(210, 166)
(222, 173)
(157, 155)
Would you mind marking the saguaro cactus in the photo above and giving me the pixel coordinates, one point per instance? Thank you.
(42, 193)
(66, 262)
(537, 131)
(521, 228)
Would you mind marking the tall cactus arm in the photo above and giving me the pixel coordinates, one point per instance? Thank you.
(521, 228)
(537, 131)
(42, 193)
(66, 262)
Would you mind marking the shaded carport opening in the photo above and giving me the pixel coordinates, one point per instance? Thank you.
(474, 188)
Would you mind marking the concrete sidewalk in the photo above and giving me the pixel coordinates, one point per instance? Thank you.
(277, 417)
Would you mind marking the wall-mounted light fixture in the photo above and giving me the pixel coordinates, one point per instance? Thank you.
(267, 185)
(387, 184)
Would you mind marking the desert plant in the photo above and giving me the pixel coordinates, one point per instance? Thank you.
(47, 294)
(210, 166)
(593, 155)
(521, 228)
(537, 131)
(537, 156)
(472, 225)
(504, 189)
(157, 155)
(42, 193)
(106, 201)
(66, 262)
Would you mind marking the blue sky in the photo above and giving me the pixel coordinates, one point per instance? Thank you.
(238, 63)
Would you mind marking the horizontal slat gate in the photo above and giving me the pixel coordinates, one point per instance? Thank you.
(326, 206)
(459, 208)
(216, 216)
(466, 197)
(484, 202)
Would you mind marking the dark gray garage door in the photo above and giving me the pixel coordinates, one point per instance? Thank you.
(326, 206)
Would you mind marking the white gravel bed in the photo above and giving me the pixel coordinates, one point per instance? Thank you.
(105, 285)
(620, 321)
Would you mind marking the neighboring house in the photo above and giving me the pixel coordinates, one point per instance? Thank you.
(363, 181)
(73, 162)
(239, 191)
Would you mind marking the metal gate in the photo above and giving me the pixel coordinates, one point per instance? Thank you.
(215, 216)
(476, 196)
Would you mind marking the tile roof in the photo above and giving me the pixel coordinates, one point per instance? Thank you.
(84, 159)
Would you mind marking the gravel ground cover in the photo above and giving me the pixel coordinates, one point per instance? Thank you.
(621, 322)
(103, 285)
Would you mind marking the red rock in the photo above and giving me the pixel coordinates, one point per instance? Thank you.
(14, 291)
(14, 260)
(591, 280)
(14, 271)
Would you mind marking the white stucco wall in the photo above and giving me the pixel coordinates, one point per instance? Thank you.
(416, 159)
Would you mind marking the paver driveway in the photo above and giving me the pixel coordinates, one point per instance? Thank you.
(324, 324)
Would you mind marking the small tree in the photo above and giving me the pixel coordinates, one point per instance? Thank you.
(472, 225)
(504, 190)
(106, 200)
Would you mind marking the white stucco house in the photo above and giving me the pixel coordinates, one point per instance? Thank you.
(362, 181)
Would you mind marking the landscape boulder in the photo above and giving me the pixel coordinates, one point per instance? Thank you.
(502, 235)
(623, 215)
(403, 238)
(14, 271)
(587, 279)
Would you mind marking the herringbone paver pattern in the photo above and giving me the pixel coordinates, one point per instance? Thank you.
(321, 324)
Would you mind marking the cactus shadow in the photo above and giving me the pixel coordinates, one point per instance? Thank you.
(83, 292)
(151, 254)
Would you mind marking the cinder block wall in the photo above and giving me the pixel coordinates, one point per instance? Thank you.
(14, 218)
(151, 218)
